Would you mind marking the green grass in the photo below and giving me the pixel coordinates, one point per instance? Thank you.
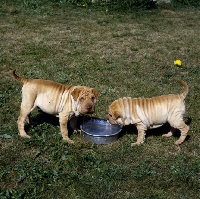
(121, 55)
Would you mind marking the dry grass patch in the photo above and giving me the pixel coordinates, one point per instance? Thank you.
(120, 55)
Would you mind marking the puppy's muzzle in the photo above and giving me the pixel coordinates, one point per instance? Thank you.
(88, 109)
(110, 119)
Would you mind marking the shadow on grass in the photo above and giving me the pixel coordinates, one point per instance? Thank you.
(159, 131)
(43, 117)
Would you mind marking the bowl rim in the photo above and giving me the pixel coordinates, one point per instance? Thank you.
(94, 135)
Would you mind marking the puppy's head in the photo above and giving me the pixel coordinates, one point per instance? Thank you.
(115, 113)
(85, 98)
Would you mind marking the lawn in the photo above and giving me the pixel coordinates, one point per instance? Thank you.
(119, 54)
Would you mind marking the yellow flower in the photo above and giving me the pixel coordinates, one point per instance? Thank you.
(177, 62)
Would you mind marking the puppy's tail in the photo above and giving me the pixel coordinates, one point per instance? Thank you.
(184, 94)
(23, 80)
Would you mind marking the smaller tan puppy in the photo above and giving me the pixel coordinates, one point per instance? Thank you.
(150, 113)
(54, 98)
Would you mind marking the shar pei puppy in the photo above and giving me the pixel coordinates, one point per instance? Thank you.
(64, 101)
(153, 112)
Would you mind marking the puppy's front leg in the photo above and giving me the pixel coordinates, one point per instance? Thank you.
(141, 134)
(63, 119)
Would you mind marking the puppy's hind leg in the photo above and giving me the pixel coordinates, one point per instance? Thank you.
(24, 112)
(141, 134)
(170, 133)
(184, 129)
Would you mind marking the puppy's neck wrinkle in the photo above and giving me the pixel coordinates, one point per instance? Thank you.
(122, 107)
(68, 87)
(74, 103)
(74, 106)
(126, 104)
(63, 100)
(66, 96)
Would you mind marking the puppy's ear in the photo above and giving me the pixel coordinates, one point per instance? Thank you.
(115, 115)
(75, 93)
(96, 92)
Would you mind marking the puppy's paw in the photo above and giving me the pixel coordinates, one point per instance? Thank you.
(167, 134)
(178, 142)
(69, 140)
(135, 143)
(78, 131)
(25, 136)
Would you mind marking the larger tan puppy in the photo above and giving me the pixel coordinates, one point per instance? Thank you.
(150, 113)
(54, 98)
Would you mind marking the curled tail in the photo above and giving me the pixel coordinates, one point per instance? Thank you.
(185, 89)
(23, 80)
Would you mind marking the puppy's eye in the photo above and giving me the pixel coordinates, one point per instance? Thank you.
(93, 98)
(110, 115)
(82, 98)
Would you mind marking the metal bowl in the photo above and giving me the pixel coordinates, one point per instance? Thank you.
(99, 131)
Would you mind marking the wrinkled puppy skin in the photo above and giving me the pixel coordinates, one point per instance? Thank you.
(147, 113)
(64, 101)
